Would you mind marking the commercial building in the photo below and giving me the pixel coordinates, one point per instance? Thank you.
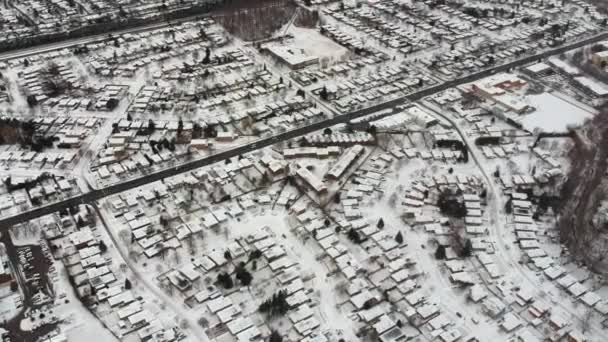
(294, 57)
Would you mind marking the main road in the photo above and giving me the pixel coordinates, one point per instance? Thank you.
(94, 38)
(98, 194)
(68, 43)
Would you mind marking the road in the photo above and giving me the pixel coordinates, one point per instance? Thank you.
(68, 43)
(110, 190)
(34, 50)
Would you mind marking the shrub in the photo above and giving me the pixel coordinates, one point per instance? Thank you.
(440, 253)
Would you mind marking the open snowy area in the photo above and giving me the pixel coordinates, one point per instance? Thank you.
(554, 114)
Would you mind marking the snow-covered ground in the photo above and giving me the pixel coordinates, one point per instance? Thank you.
(553, 114)
(355, 240)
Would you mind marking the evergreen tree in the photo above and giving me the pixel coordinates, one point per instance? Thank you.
(323, 93)
(225, 280)
(207, 58)
(483, 194)
(449, 205)
(275, 305)
(151, 126)
(354, 236)
(255, 254)
(180, 126)
(243, 275)
(275, 337)
(102, 246)
(440, 252)
(509, 206)
(467, 251)
(399, 238)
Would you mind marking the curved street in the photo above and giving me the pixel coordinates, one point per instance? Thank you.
(152, 288)
(506, 258)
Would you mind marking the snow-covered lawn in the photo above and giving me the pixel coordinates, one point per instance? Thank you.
(553, 114)
(315, 44)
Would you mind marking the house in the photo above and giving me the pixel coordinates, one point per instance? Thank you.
(462, 278)
(117, 141)
(71, 142)
(575, 336)
(493, 307)
(311, 180)
(225, 136)
(276, 168)
(511, 322)
(450, 335)
(564, 68)
(345, 161)
(595, 89)
(525, 335)
(199, 144)
(82, 238)
(600, 59)
(538, 69)
(477, 293)
(558, 320)
(57, 338)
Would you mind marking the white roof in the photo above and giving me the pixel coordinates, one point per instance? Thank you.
(594, 86)
(538, 67)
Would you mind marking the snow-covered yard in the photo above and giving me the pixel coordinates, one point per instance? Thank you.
(553, 114)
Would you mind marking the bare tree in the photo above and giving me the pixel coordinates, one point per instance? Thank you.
(124, 235)
(586, 320)
(133, 255)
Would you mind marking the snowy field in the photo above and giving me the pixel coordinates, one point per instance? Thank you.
(553, 114)
(315, 44)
